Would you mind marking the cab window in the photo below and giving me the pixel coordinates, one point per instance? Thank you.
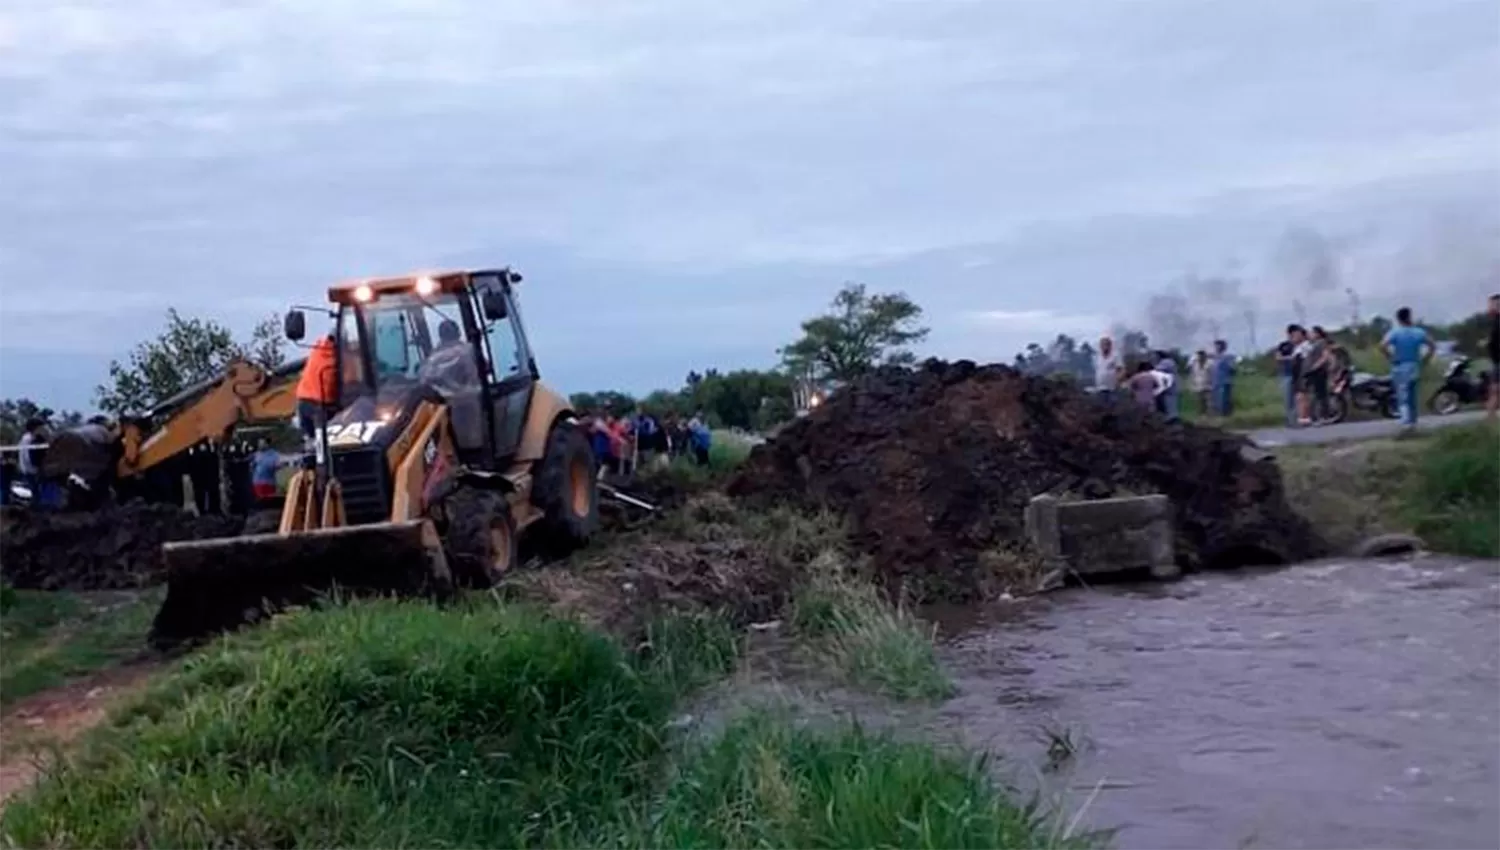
(351, 359)
(505, 349)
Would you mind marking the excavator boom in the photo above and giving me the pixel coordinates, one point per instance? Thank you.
(205, 412)
(244, 393)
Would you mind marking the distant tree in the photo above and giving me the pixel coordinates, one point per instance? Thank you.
(186, 352)
(1134, 343)
(1469, 334)
(667, 402)
(862, 331)
(267, 346)
(615, 401)
(15, 411)
(744, 398)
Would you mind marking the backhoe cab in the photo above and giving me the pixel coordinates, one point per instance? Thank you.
(445, 449)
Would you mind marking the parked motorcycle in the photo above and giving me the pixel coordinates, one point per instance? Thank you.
(1361, 391)
(1459, 388)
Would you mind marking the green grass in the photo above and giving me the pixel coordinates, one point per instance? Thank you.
(767, 782)
(687, 651)
(48, 638)
(870, 641)
(1442, 485)
(725, 455)
(388, 724)
(375, 725)
(1454, 498)
(1257, 404)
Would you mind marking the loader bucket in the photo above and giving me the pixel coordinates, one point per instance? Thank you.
(218, 585)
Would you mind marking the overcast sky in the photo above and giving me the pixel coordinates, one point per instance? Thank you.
(681, 182)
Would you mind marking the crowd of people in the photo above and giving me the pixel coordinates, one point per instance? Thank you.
(1153, 382)
(1308, 363)
(1311, 366)
(24, 466)
(641, 439)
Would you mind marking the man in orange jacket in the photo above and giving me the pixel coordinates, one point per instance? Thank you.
(317, 389)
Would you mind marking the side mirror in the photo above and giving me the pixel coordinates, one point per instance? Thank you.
(295, 325)
(494, 305)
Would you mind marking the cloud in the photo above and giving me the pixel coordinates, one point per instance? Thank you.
(731, 163)
(1038, 321)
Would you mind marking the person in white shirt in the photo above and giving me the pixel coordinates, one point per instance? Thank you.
(26, 461)
(1202, 379)
(1108, 370)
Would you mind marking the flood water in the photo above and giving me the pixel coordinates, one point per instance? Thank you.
(1336, 704)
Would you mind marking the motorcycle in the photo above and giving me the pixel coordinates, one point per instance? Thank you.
(1459, 388)
(1361, 391)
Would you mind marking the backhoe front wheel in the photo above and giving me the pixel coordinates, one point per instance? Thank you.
(479, 537)
(566, 489)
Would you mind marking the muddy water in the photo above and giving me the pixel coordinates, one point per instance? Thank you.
(1340, 704)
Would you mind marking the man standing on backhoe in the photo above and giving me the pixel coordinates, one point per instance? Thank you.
(317, 389)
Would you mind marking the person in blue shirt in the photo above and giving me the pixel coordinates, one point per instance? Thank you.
(263, 466)
(700, 438)
(1408, 347)
(1287, 371)
(598, 431)
(1223, 379)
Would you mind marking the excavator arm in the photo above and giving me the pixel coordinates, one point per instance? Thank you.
(245, 393)
(208, 411)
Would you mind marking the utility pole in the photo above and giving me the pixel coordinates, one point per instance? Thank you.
(1353, 306)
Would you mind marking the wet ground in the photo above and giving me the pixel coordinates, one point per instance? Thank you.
(1338, 704)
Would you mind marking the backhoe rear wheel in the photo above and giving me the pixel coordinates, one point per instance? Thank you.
(566, 490)
(479, 536)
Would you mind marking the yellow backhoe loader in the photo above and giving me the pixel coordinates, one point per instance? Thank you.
(446, 449)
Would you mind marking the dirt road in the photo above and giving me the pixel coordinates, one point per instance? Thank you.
(1371, 430)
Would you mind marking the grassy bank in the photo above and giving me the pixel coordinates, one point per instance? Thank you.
(50, 638)
(868, 641)
(398, 724)
(1443, 486)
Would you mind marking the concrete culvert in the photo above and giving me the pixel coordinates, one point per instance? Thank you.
(1245, 555)
(1389, 545)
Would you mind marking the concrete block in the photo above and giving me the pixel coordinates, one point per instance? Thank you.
(1102, 536)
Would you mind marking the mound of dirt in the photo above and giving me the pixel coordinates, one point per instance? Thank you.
(934, 467)
(113, 547)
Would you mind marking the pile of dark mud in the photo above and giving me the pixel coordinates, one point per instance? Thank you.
(933, 468)
(113, 547)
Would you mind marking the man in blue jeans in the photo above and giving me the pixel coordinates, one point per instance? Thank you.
(1404, 347)
(1286, 370)
(1223, 379)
